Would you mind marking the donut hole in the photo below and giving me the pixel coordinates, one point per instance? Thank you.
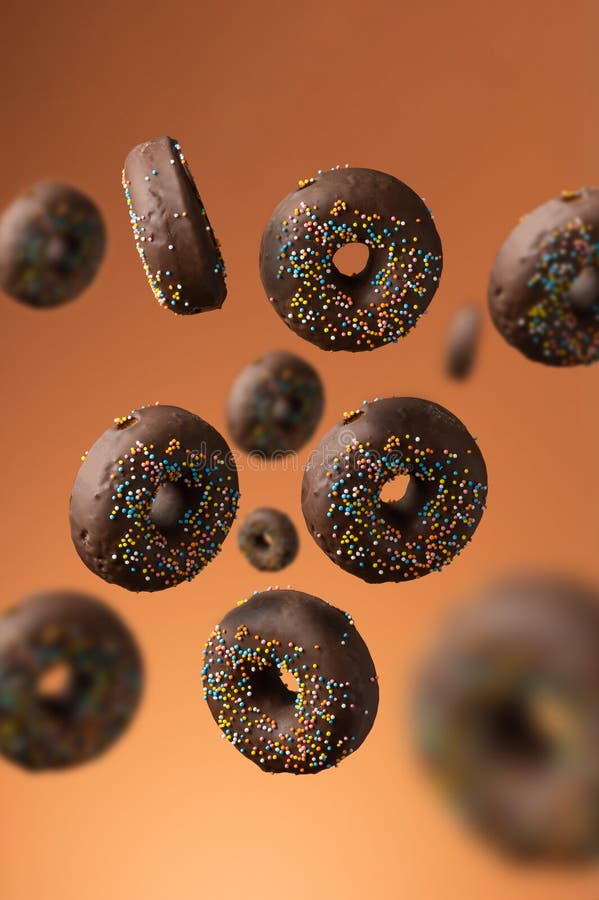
(55, 682)
(168, 506)
(274, 691)
(525, 731)
(395, 490)
(351, 259)
(583, 293)
(263, 540)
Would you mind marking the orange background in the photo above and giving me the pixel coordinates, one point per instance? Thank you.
(487, 109)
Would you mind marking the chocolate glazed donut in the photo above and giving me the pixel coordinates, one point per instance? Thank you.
(288, 633)
(268, 539)
(42, 729)
(544, 286)
(507, 716)
(444, 502)
(357, 312)
(175, 241)
(154, 499)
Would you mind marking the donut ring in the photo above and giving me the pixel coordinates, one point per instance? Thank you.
(40, 730)
(52, 242)
(544, 286)
(275, 404)
(178, 249)
(154, 499)
(422, 532)
(285, 632)
(268, 539)
(357, 312)
(507, 716)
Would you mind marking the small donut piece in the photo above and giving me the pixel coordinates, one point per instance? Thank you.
(544, 286)
(268, 539)
(275, 404)
(462, 343)
(507, 715)
(175, 241)
(52, 241)
(60, 632)
(351, 312)
(403, 539)
(286, 634)
(154, 499)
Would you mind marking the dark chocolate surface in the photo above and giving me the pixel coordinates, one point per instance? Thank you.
(536, 297)
(425, 529)
(114, 527)
(351, 312)
(179, 252)
(299, 731)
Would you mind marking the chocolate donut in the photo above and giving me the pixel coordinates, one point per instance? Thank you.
(544, 286)
(175, 241)
(507, 716)
(278, 635)
(351, 312)
(406, 538)
(52, 241)
(268, 539)
(275, 404)
(84, 641)
(154, 499)
(462, 343)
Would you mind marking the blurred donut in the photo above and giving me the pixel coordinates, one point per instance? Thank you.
(268, 539)
(102, 675)
(52, 241)
(507, 716)
(275, 404)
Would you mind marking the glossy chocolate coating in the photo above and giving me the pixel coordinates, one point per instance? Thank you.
(179, 252)
(351, 312)
(154, 499)
(544, 285)
(417, 534)
(279, 729)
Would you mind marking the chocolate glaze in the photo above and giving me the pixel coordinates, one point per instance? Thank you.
(507, 715)
(404, 539)
(536, 297)
(268, 539)
(356, 312)
(288, 631)
(180, 254)
(154, 499)
(275, 404)
(45, 731)
(52, 241)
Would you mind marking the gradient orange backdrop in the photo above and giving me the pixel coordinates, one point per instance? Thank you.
(486, 109)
